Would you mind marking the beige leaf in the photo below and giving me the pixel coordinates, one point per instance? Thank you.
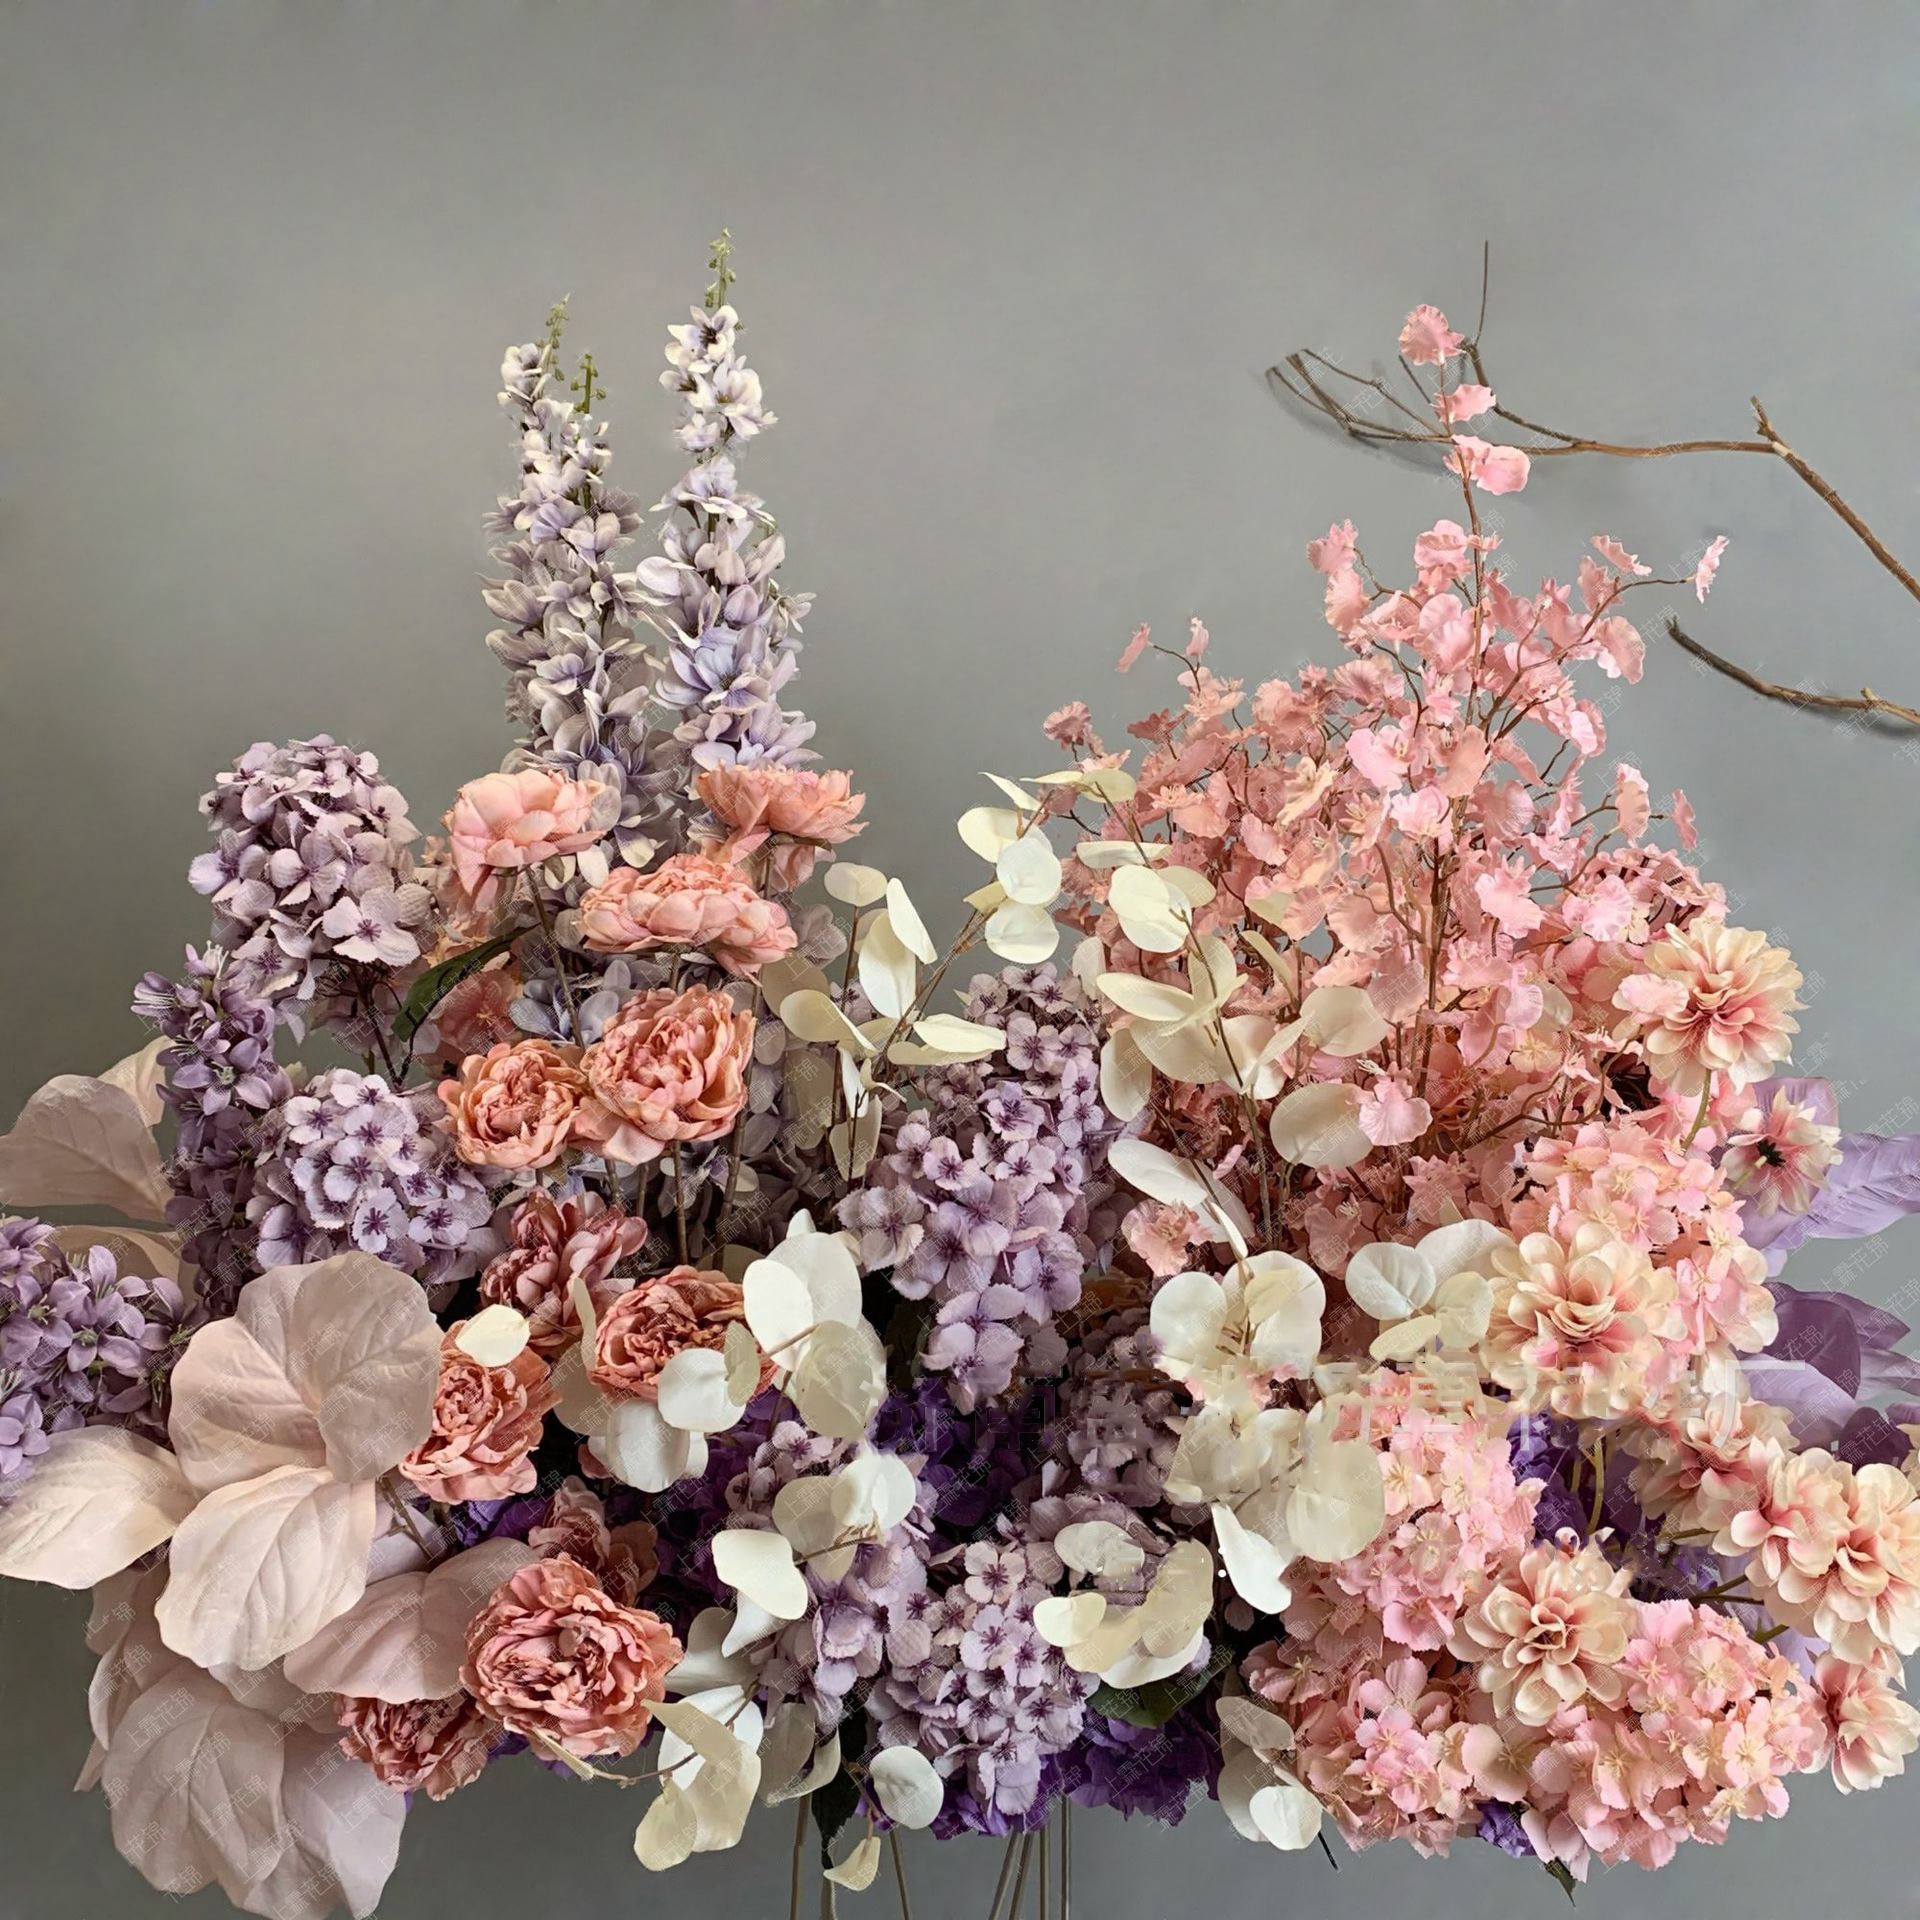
(85, 1142)
(97, 1499)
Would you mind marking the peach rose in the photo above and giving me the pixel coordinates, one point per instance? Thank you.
(505, 821)
(472, 1015)
(687, 901)
(420, 1746)
(644, 1329)
(805, 810)
(555, 1658)
(512, 1105)
(550, 1244)
(668, 1066)
(486, 1424)
(623, 1559)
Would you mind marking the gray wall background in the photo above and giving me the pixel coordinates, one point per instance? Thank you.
(1011, 274)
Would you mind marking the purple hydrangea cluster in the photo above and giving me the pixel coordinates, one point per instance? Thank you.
(970, 1682)
(310, 864)
(221, 1079)
(986, 1202)
(567, 609)
(81, 1343)
(1115, 1431)
(821, 1658)
(732, 630)
(352, 1165)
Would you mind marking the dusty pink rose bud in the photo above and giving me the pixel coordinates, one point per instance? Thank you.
(421, 1746)
(505, 821)
(512, 1105)
(688, 901)
(554, 1657)
(645, 1328)
(668, 1066)
(550, 1244)
(623, 1558)
(486, 1424)
(805, 811)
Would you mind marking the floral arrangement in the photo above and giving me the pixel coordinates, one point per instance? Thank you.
(1295, 1320)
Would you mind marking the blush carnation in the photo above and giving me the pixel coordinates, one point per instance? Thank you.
(555, 1658)
(550, 1244)
(418, 1746)
(486, 1424)
(667, 1067)
(687, 901)
(511, 1106)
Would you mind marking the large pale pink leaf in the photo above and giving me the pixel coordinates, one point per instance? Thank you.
(343, 1836)
(84, 1142)
(139, 1077)
(405, 1637)
(334, 1363)
(260, 1568)
(194, 1780)
(97, 1499)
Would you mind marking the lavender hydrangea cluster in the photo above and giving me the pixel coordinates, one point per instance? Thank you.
(732, 630)
(970, 1682)
(580, 686)
(310, 863)
(985, 1204)
(221, 1079)
(81, 1343)
(821, 1658)
(352, 1165)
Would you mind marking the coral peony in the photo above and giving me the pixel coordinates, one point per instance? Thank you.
(644, 1329)
(486, 1424)
(555, 1658)
(419, 1746)
(505, 821)
(687, 901)
(799, 811)
(512, 1105)
(550, 1244)
(668, 1067)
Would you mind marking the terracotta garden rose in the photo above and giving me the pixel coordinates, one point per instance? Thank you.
(555, 1658)
(667, 1067)
(687, 901)
(486, 1424)
(551, 1243)
(646, 1327)
(624, 1558)
(511, 1106)
(420, 1746)
(798, 811)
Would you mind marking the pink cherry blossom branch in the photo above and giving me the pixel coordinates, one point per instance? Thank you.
(1334, 391)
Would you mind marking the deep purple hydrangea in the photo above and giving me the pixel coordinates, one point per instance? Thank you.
(352, 1165)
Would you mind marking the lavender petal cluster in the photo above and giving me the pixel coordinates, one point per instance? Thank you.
(986, 1202)
(310, 864)
(971, 1683)
(221, 1079)
(351, 1165)
(81, 1343)
(732, 630)
(580, 685)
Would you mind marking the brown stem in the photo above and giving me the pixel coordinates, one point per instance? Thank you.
(1867, 700)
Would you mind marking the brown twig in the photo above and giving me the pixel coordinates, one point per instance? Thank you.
(1867, 701)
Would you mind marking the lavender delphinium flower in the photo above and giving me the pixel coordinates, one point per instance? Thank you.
(733, 639)
(221, 1079)
(309, 864)
(988, 1193)
(350, 1164)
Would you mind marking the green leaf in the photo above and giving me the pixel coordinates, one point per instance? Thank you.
(436, 983)
(1558, 1870)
